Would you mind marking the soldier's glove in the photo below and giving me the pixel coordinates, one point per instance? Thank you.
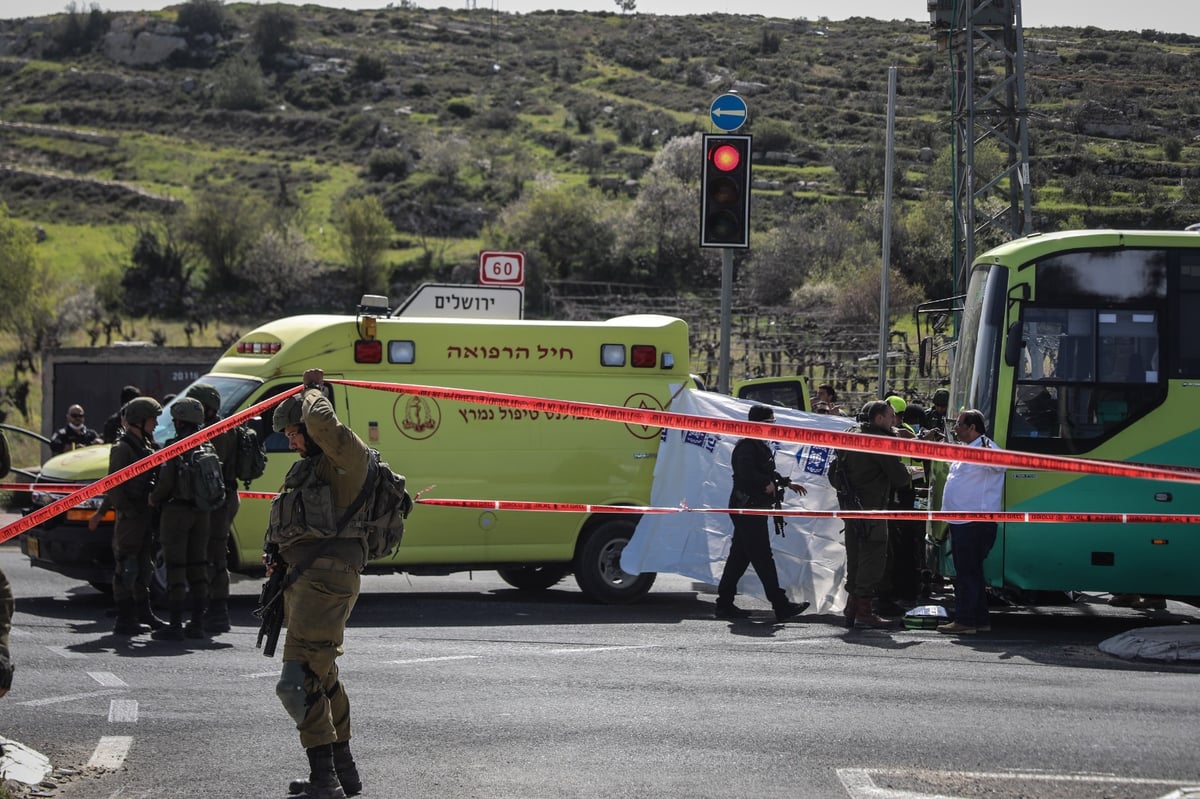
(6, 672)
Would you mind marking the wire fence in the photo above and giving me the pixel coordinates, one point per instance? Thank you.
(765, 341)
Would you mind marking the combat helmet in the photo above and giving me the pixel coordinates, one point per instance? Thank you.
(208, 395)
(286, 413)
(187, 409)
(139, 409)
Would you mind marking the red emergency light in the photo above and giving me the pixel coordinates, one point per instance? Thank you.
(368, 351)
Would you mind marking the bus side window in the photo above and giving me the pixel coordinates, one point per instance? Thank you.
(1187, 336)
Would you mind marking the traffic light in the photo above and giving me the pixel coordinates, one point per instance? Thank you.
(725, 192)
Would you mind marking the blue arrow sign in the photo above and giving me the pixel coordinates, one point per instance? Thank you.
(728, 112)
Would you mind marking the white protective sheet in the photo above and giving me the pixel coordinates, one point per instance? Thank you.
(693, 470)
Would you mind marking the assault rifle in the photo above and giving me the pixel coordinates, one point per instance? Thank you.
(781, 487)
(270, 603)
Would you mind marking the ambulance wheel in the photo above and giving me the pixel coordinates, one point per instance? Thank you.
(598, 565)
(533, 578)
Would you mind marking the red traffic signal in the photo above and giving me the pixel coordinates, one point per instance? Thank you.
(726, 158)
(725, 192)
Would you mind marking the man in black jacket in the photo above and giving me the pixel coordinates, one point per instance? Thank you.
(755, 483)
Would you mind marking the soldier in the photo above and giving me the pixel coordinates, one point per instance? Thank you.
(216, 618)
(132, 534)
(7, 606)
(112, 425)
(322, 582)
(867, 482)
(184, 530)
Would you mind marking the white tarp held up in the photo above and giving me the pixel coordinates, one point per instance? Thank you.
(693, 470)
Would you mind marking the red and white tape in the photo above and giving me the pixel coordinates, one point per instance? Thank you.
(678, 421)
(140, 467)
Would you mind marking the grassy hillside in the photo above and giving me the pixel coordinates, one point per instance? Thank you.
(453, 117)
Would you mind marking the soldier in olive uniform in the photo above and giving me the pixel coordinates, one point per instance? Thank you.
(183, 532)
(133, 545)
(7, 606)
(216, 618)
(872, 477)
(323, 574)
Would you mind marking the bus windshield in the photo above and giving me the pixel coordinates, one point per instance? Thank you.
(977, 357)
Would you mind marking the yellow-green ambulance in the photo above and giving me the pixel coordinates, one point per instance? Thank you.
(462, 450)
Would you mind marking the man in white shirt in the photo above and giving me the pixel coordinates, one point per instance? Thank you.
(971, 487)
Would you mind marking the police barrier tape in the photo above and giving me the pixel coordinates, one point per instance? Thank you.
(861, 442)
(899, 515)
(678, 421)
(134, 469)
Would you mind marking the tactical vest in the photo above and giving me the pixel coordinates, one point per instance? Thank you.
(304, 509)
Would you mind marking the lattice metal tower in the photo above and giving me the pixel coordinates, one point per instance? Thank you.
(986, 45)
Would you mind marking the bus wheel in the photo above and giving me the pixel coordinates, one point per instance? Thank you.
(598, 565)
(533, 578)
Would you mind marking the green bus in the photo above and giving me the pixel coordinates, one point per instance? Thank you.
(1087, 343)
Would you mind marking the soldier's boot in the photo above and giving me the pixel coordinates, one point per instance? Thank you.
(344, 766)
(850, 611)
(174, 630)
(866, 617)
(322, 782)
(216, 618)
(145, 614)
(127, 623)
(195, 628)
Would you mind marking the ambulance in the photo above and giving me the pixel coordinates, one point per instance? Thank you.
(449, 449)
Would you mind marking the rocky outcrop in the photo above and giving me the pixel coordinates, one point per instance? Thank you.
(137, 41)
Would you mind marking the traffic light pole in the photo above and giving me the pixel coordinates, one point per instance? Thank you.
(724, 365)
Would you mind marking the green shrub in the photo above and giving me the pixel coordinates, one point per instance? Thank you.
(240, 86)
(391, 163)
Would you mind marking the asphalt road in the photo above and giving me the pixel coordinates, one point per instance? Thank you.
(463, 687)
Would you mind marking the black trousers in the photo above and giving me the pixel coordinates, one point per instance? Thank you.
(751, 546)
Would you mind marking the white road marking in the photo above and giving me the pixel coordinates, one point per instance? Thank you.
(122, 710)
(62, 651)
(256, 675)
(108, 679)
(600, 648)
(110, 752)
(860, 785)
(435, 660)
(54, 700)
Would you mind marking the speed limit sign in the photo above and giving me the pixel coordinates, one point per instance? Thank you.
(501, 268)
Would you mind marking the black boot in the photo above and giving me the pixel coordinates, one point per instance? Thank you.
(174, 630)
(127, 623)
(786, 609)
(195, 628)
(322, 782)
(145, 614)
(216, 619)
(344, 766)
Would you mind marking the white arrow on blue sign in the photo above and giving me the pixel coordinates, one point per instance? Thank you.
(728, 112)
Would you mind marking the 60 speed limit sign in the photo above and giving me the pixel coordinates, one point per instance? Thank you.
(501, 268)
